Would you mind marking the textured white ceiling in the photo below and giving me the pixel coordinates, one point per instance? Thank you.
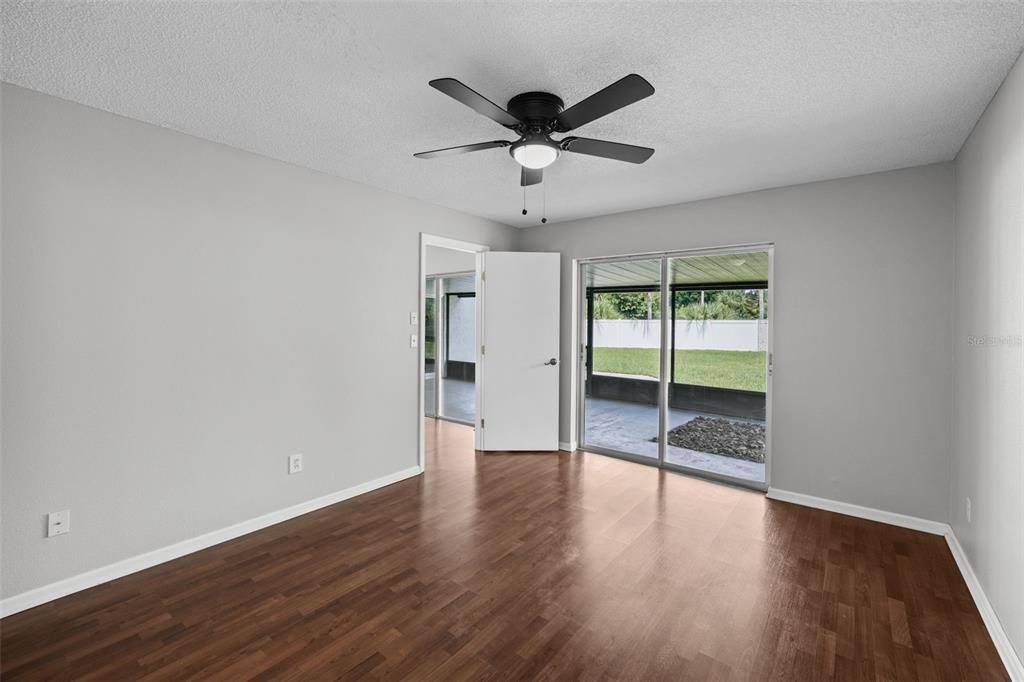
(748, 95)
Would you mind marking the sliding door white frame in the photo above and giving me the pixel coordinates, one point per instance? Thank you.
(664, 363)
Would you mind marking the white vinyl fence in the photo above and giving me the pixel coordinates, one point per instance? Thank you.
(698, 334)
(462, 329)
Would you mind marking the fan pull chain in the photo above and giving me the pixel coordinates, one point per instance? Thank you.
(544, 204)
(524, 200)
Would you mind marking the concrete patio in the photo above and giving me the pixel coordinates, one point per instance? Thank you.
(629, 427)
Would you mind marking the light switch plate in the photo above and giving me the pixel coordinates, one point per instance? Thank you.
(414, 318)
(414, 341)
(58, 523)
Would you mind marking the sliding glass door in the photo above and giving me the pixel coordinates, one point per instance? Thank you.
(449, 351)
(458, 395)
(622, 367)
(717, 393)
(684, 385)
(430, 348)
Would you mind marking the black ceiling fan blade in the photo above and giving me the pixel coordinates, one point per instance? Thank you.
(531, 176)
(475, 101)
(621, 93)
(608, 150)
(464, 149)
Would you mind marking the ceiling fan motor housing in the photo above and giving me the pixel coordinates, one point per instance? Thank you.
(537, 110)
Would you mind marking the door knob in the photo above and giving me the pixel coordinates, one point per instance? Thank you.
(551, 362)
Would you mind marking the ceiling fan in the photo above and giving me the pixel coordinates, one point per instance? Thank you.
(534, 116)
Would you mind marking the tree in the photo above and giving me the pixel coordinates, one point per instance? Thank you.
(720, 304)
(605, 308)
(742, 302)
(713, 304)
(685, 297)
(640, 305)
(713, 310)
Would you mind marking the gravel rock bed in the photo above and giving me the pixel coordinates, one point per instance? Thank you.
(719, 436)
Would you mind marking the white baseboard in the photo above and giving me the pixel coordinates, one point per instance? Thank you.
(1014, 666)
(1013, 663)
(62, 588)
(567, 447)
(869, 513)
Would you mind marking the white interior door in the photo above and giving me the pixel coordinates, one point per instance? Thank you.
(518, 362)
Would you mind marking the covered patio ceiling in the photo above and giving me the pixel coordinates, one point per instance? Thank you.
(713, 270)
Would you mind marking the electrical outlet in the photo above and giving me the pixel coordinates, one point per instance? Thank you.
(58, 523)
(414, 318)
(294, 463)
(967, 509)
(414, 341)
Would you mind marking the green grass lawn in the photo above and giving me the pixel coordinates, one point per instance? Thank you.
(723, 368)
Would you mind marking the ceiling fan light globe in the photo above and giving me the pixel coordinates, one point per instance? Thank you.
(535, 156)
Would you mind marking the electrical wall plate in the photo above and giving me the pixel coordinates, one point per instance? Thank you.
(58, 523)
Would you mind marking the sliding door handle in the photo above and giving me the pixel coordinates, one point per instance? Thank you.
(551, 362)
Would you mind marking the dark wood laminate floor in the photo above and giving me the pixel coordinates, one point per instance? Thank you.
(529, 567)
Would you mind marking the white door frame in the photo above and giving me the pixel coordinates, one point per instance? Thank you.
(576, 402)
(455, 245)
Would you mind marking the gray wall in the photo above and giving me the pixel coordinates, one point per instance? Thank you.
(988, 449)
(178, 317)
(861, 411)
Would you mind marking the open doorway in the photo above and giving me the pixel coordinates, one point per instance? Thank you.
(448, 329)
(675, 369)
